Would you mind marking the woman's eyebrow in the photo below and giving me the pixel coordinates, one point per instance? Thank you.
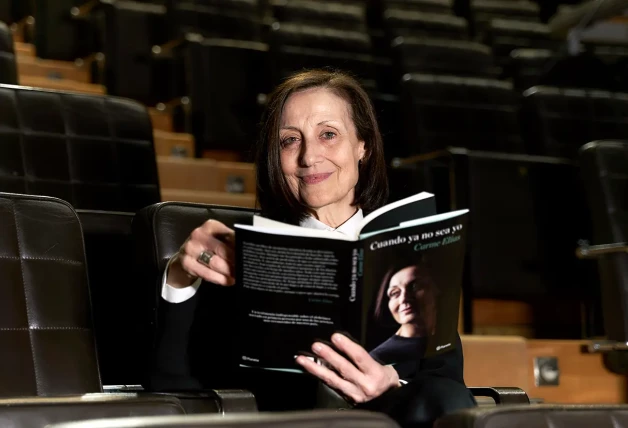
(326, 122)
(293, 128)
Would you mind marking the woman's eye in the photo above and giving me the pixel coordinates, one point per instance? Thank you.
(329, 135)
(394, 294)
(288, 141)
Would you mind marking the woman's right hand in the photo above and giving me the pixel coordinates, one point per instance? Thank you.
(215, 239)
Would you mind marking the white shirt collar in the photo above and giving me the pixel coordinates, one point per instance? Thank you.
(349, 227)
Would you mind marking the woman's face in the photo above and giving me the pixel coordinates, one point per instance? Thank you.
(320, 150)
(405, 295)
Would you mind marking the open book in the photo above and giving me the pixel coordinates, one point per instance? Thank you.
(393, 287)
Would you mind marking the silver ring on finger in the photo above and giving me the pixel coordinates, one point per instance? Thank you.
(204, 258)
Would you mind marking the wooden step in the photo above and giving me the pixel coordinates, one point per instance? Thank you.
(245, 200)
(495, 361)
(161, 120)
(24, 49)
(583, 376)
(173, 144)
(32, 66)
(62, 85)
(206, 175)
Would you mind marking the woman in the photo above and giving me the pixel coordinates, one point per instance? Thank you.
(409, 293)
(320, 164)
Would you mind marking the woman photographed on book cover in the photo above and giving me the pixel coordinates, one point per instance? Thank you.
(319, 164)
(407, 300)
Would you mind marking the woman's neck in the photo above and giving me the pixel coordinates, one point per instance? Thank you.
(334, 216)
(410, 330)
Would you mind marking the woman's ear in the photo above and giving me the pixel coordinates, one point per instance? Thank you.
(362, 154)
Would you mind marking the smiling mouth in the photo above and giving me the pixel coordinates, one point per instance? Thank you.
(315, 178)
(407, 310)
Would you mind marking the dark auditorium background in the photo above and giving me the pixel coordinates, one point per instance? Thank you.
(140, 116)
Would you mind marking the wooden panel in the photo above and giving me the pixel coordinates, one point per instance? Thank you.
(173, 143)
(24, 49)
(583, 377)
(31, 66)
(206, 175)
(245, 200)
(161, 120)
(223, 155)
(495, 361)
(62, 85)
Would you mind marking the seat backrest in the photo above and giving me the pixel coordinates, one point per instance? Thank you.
(332, 14)
(485, 113)
(43, 411)
(131, 29)
(562, 120)
(505, 35)
(229, 19)
(159, 231)
(604, 166)
(225, 81)
(8, 68)
(525, 66)
(309, 419)
(58, 36)
(404, 23)
(46, 338)
(538, 416)
(483, 11)
(93, 151)
(444, 57)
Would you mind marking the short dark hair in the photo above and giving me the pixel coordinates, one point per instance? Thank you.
(274, 195)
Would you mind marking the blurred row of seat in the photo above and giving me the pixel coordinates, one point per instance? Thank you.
(162, 64)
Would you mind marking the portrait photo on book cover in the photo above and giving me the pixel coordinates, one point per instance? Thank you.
(416, 307)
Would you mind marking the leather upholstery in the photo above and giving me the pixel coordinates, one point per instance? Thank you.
(95, 152)
(565, 119)
(109, 251)
(8, 68)
(483, 11)
(58, 36)
(538, 416)
(229, 19)
(444, 57)
(525, 66)
(505, 35)
(38, 412)
(316, 419)
(46, 336)
(486, 113)
(604, 166)
(159, 231)
(404, 23)
(327, 14)
(225, 92)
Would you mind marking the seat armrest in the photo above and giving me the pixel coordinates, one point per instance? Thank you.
(223, 401)
(502, 395)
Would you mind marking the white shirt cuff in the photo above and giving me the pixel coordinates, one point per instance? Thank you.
(177, 295)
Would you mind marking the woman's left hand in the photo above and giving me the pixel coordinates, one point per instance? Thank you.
(360, 381)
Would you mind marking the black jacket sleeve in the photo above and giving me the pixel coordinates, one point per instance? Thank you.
(171, 366)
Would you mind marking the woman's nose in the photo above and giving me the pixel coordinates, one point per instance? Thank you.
(310, 152)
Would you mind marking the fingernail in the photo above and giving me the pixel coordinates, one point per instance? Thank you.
(336, 338)
(317, 347)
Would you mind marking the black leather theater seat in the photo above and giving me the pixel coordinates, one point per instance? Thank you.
(8, 68)
(539, 416)
(46, 336)
(319, 419)
(40, 412)
(604, 166)
(442, 111)
(159, 231)
(561, 120)
(95, 152)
